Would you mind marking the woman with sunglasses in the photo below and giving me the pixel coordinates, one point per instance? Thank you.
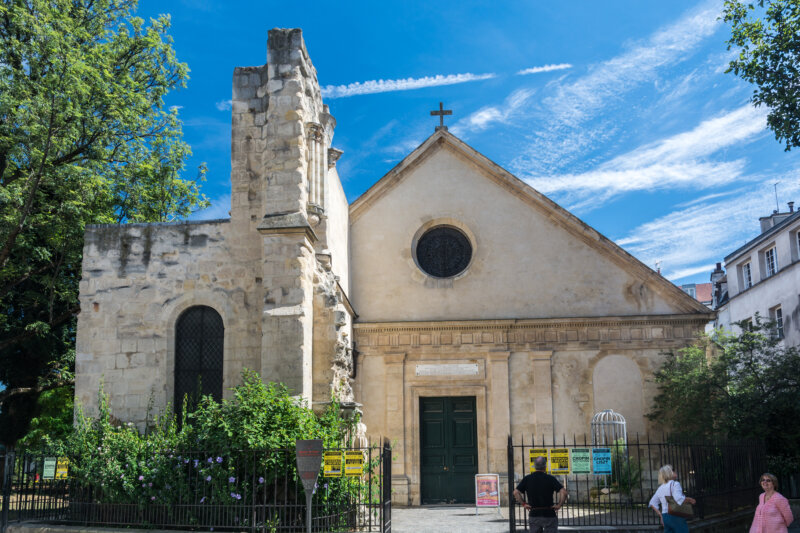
(773, 514)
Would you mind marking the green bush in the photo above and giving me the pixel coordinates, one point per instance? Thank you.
(224, 453)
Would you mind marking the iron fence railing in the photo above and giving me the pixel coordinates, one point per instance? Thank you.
(721, 475)
(256, 491)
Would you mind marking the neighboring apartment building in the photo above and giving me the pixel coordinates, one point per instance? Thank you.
(702, 292)
(763, 277)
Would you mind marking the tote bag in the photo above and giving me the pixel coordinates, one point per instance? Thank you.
(684, 511)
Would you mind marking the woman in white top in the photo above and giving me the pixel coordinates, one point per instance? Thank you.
(669, 487)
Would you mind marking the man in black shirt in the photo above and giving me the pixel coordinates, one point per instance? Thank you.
(538, 489)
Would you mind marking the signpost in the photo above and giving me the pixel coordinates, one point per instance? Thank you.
(309, 460)
(487, 491)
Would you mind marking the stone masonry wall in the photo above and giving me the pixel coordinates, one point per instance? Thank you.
(137, 279)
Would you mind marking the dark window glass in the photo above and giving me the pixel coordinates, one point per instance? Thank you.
(444, 252)
(199, 336)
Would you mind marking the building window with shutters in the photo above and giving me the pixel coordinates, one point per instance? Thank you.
(199, 342)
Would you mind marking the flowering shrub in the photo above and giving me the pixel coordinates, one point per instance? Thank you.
(229, 453)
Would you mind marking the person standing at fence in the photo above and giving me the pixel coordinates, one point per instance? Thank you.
(668, 486)
(539, 488)
(773, 514)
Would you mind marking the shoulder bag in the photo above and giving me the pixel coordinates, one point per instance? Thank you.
(684, 511)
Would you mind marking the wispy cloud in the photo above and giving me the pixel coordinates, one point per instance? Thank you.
(688, 240)
(487, 116)
(544, 68)
(680, 161)
(407, 84)
(220, 208)
(223, 105)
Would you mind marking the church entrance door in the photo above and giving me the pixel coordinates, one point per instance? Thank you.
(449, 449)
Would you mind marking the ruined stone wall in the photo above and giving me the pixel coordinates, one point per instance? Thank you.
(137, 280)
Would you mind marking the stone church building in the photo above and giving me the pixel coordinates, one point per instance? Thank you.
(454, 302)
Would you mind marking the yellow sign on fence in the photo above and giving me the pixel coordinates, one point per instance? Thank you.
(332, 464)
(559, 461)
(62, 468)
(537, 452)
(353, 463)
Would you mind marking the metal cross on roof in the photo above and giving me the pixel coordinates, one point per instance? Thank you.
(441, 113)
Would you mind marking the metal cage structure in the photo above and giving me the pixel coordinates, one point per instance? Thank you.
(608, 427)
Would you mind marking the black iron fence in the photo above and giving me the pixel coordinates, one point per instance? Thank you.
(241, 491)
(721, 475)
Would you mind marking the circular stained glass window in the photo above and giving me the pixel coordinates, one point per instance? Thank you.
(443, 252)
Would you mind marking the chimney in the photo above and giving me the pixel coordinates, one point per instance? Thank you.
(791, 207)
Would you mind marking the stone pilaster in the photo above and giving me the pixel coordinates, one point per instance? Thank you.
(542, 391)
(500, 408)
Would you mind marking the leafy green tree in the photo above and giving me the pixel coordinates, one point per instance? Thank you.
(769, 58)
(736, 386)
(85, 137)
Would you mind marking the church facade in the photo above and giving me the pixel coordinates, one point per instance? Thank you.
(454, 302)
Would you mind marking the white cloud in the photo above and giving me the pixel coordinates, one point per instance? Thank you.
(175, 107)
(486, 116)
(224, 105)
(689, 240)
(220, 208)
(680, 161)
(544, 68)
(382, 86)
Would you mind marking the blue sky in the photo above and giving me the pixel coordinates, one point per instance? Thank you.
(619, 111)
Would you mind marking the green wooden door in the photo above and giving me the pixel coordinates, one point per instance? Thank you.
(449, 449)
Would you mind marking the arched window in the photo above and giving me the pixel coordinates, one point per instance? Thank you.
(199, 337)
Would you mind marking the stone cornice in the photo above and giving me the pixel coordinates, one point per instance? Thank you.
(539, 335)
(531, 323)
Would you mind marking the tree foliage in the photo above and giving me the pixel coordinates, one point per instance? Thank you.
(85, 137)
(735, 386)
(769, 58)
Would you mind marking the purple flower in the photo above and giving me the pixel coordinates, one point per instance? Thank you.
(150, 485)
(141, 478)
(210, 460)
(261, 480)
(122, 476)
(219, 459)
(325, 486)
(186, 461)
(236, 496)
(202, 499)
(196, 462)
(231, 480)
(152, 498)
(143, 485)
(208, 478)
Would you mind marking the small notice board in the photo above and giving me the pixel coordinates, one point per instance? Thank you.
(538, 452)
(332, 464)
(353, 463)
(487, 491)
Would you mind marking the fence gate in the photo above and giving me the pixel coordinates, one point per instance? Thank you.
(255, 491)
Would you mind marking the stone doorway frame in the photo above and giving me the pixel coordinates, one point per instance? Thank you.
(412, 450)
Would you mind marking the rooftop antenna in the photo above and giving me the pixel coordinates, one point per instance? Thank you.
(777, 207)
